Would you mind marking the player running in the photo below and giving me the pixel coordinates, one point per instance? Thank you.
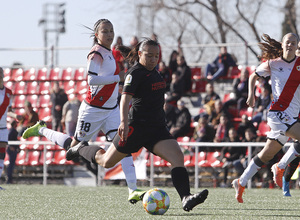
(284, 68)
(99, 111)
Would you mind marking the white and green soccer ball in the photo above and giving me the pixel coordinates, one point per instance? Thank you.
(156, 201)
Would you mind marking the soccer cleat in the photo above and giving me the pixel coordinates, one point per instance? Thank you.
(285, 187)
(73, 152)
(190, 201)
(33, 130)
(277, 174)
(136, 195)
(239, 190)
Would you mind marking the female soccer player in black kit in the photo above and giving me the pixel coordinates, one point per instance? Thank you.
(144, 124)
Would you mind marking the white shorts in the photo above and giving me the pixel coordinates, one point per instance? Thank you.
(279, 123)
(91, 120)
(4, 135)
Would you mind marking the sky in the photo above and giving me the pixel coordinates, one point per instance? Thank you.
(19, 29)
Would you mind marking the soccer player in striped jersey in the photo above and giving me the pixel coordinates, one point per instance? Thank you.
(99, 111)
(283, 67)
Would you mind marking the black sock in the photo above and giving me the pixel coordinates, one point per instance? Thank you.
(181, 182)
(89, 152)
(290, 169)
(67, 143)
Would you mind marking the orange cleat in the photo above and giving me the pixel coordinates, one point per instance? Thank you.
(239, 190)
(277, 174)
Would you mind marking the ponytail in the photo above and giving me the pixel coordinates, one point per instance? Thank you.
(131, 55)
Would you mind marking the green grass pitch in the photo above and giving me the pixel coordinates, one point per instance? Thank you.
(110, 202)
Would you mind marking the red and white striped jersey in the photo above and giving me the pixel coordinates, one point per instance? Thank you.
(102, 78)
(285, 80)
(5, 102)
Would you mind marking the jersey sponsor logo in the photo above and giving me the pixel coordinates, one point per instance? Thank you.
(158, 85)
(128, 79)
(298, 68)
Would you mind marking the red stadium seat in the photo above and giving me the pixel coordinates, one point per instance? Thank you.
(54, 74)
(42, 74)
(66, 74)
(19, 111)
(69, 86)
(7, 75)
(32, 87)
(263, 128)
(19, 101)
(60, 158)
(81, 97)
(33, 99)
(30, 75)
(17, 74)
(45, 114)
(9, 85)
(33, 158)
(44, 88)
(49, 157)
(198, 85)
(44, 101)
(19, 88)
(21, 158)
(81, 87)
(79, 75)
(34, 146)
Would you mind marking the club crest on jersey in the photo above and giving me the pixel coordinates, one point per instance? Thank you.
(128, 80)
(298, 68)
(81, 134)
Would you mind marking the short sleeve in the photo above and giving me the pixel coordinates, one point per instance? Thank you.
(263, 69)
(131, 82)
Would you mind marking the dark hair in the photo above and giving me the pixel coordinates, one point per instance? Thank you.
(131, 55)
(95, 29)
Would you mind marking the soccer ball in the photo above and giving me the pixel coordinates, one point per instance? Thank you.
(156, 201)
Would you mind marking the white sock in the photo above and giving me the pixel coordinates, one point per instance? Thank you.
(248, 173)
(1, 166)
(129, 171)
(54, 136)
(288, 157)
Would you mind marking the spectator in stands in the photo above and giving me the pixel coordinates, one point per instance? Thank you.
(29, 118)
(203, 131)
(210, 97)
(70, 115)
(240, 90)
(173, 61)
(170, 112)
(5, 110)
(117, 54)
(182, 124)
(12, 151)
(184, 72)
(262, 104)
(58, 99)
(222, 129)
(176, 89)
(97, 112)
(230, 154)
(166, 74)
(244, 125)
(219, 67)
(218, 110)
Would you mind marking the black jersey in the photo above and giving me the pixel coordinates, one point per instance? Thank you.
(148, 89)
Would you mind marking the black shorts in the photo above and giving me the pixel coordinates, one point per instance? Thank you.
(141, 136)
